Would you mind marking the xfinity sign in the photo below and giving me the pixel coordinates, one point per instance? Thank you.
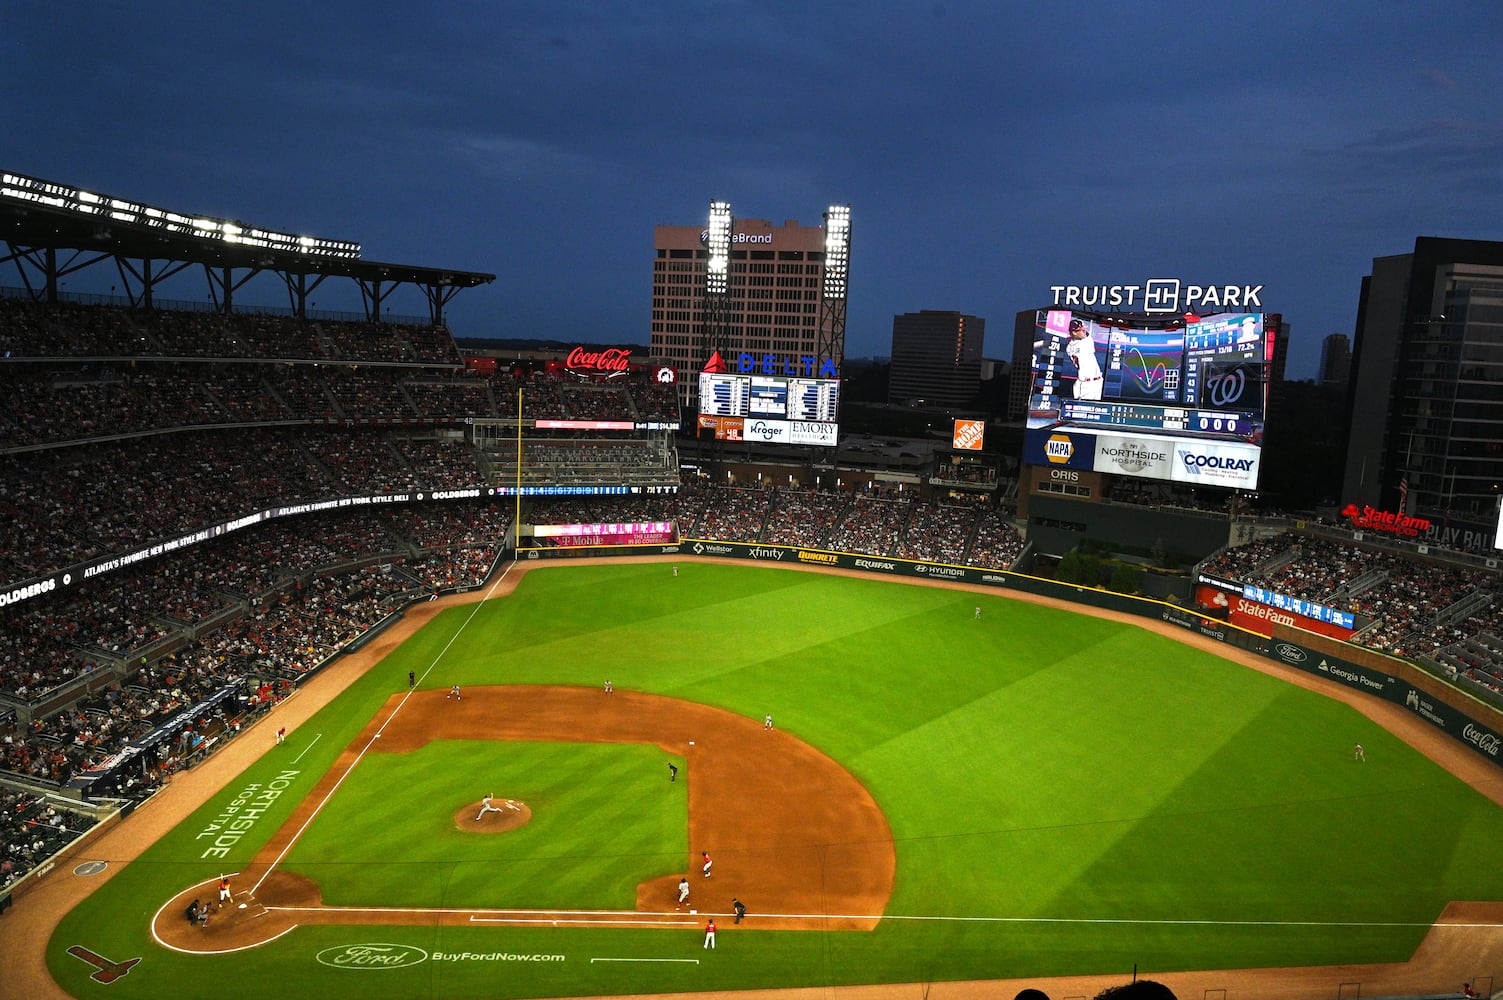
(1159, 295)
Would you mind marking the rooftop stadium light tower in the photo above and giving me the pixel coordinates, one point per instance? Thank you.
(831, 342)
(716, 317)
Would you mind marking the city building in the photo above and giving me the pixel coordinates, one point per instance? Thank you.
(936, 358)
(1335, 360)
(1425, 427)
(782, 295)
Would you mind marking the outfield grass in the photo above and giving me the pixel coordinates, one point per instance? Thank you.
(1068, 795)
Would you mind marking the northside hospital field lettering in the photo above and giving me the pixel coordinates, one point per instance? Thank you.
(237, 818)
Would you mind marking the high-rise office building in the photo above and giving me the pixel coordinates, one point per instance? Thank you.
(1335, 360)
(936, 358)
(781, 293)
(1425, 432)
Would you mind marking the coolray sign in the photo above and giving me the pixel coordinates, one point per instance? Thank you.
(371, 956)
(1159, 295)
(1205, 464)
(1134, 456)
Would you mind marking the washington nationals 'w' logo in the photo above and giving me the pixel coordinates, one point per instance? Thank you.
(1226, 387)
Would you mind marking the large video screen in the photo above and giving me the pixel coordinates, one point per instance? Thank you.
(770, 408)
(1183, 402)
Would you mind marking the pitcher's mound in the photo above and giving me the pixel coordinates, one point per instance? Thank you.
(504, 814)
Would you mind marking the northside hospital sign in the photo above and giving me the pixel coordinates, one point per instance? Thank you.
(1159, 295)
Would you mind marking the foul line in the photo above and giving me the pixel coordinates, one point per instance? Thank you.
(308, 747)
(645, 918)
(377, 735)
(691, 961)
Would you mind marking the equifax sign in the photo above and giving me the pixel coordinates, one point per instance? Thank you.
(1159, 295)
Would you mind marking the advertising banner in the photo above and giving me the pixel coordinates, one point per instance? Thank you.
(1261, 618)
(1134, 456)
(1452, 721)
(1202, 463)
(968, 435)
(1060, 450)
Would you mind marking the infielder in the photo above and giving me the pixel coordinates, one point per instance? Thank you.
(708, 862)
(486, 807)
(710, 934)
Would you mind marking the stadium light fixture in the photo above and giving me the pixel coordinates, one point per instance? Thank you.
(837, 250)
(19, 187)
(718, 243)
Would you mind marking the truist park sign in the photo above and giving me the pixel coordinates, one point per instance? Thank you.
(1159, 295)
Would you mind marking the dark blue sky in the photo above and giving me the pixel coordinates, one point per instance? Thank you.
(988, 150)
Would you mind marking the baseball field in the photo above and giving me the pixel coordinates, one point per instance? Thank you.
(940, 797)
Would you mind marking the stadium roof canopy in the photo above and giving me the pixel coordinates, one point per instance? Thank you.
(51, 230)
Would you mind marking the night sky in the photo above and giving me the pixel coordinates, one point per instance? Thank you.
(987, 150)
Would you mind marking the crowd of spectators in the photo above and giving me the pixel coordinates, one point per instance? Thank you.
(32, 829)
(1405, 606)
(290, 595)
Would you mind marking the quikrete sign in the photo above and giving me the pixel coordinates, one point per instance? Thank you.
(1392, 522)
(1159, 295)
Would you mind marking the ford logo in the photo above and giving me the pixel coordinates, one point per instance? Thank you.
(1292, 654)
(372, 956)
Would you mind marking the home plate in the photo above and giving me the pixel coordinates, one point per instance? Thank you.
(242, 906)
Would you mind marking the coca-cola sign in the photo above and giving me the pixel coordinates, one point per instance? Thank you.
(1482, 739)
(610, 362)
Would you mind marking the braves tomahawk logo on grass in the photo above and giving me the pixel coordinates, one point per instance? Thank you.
(105, 970)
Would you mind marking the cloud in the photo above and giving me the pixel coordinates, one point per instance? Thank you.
(1438, 78)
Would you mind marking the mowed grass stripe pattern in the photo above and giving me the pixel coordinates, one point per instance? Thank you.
(603, 820)
(1035, 765)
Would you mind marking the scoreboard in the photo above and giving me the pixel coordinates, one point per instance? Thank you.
(1139, 396)
(770, 408)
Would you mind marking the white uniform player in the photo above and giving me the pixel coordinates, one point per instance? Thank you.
(1082, 351)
